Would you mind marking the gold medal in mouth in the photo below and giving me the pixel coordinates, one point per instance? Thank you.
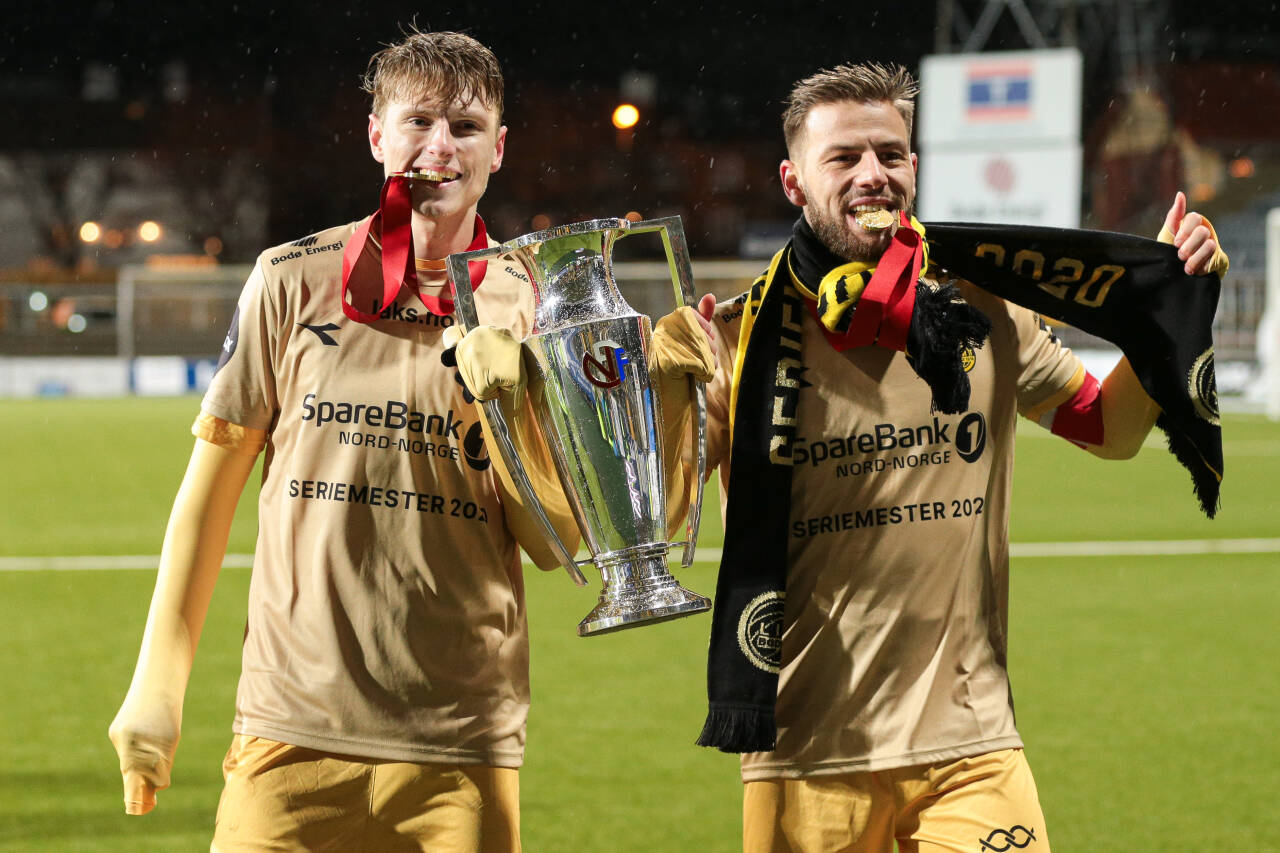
(436, 176)
(873, 219)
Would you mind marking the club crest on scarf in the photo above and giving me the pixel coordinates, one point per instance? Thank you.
(760, 631)
(1202, 387)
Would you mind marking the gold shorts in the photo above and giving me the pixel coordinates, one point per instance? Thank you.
(282, 797)
(984, 804)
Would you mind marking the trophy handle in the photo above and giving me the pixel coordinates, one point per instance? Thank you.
(464, 300)
(681, 270)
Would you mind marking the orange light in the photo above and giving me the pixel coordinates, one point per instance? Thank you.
(1241, 167)
(149, 231)
(625, 116)
(90, 232)
(212, 246)
(113, 239)
(541, 222)
(1203, 192)
(633, 216)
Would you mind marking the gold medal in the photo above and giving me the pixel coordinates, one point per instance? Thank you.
(873, 220)
(425, 175)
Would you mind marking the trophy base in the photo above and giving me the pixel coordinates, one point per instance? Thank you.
(639, 592)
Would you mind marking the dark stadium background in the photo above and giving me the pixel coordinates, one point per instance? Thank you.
(276, 84)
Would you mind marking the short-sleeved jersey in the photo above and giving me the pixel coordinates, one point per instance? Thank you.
(386, 609)
(897, 573)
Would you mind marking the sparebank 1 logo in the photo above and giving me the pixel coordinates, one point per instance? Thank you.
(971, 436)
(606, 365)
(473, 448)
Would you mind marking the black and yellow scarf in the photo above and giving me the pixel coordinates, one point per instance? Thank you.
(1128, 290)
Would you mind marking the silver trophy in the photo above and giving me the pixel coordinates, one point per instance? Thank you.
(598, 413)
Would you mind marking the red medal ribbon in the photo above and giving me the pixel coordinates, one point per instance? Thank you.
(883, 313)
(395, 213)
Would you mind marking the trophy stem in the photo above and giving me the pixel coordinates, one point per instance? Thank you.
(638, 590)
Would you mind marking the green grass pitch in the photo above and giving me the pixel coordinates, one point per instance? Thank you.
(1147, 687)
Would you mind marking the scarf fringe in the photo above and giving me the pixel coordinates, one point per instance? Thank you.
(1204, 484)
(943, 325)
(739, 729)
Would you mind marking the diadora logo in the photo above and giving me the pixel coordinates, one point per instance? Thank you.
(1044, 327)
(322, 332)
(1014, 838)
(229, 342)
(607, 368)
(306, 241)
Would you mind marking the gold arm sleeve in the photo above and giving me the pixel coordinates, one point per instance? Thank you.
(1128, 414)
(681, 353)
(146, 728)
(537, 462)
(233, 437)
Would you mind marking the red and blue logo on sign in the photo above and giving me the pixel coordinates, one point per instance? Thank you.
(999, 92)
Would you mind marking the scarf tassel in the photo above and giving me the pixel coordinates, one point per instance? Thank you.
(942, 327)
(1204, 483)
(739, 728)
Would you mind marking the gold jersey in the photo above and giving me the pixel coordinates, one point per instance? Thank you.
(894, 646)
(386, 613)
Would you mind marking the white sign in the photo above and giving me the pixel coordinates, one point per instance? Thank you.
(1019, 186)
(970, 98)
(999, 138)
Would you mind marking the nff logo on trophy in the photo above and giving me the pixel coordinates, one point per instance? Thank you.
(608, 367)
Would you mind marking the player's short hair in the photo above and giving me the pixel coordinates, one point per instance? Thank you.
(443, 66)
(866, 82)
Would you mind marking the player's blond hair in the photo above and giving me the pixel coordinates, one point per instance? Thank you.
(866, 82)
(446, 67)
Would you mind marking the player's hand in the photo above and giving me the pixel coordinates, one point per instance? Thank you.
(683, 343)
(490, 361)
(145, 735)
(1194, 238)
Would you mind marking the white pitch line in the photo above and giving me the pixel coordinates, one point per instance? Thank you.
(1102, 548)
(141, 562)
(1150, 548)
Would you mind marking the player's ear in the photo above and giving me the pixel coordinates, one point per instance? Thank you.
(500, 149)
(375, 138)
(791, 184)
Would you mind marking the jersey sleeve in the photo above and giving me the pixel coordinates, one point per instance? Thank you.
(1049, 374)
(243, 388)
(725, 322)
